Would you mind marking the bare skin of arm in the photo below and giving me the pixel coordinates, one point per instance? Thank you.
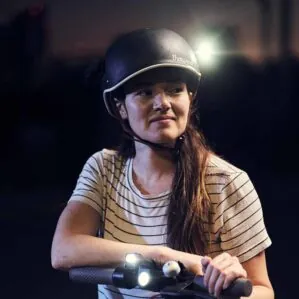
(75, 244)
(256, 269)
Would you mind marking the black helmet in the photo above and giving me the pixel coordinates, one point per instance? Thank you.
(146, 50)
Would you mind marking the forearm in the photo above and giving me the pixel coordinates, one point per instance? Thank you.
(261, 292)
(84, 250)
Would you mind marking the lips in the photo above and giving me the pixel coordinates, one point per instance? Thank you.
(158, 118)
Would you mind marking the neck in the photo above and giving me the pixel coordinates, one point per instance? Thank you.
(153, 164)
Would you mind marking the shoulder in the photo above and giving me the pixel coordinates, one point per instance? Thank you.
(220, 171)
(217, 165)
(106, 156)
(225, 179)
(229, 186)
(102, 161)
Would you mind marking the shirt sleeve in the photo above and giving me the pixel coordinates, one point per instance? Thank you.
(243, 233)
(89, 187)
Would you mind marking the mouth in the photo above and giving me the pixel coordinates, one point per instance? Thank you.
(162, 118)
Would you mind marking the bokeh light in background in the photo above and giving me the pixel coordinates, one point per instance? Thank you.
(206, 52)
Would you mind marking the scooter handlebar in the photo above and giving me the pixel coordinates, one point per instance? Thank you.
(96, 275)
(238, 288)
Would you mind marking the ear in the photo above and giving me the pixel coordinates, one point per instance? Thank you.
(121, 108)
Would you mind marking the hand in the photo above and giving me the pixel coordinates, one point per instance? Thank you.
(221, 271)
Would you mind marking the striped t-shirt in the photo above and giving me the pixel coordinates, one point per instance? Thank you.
(127, 215)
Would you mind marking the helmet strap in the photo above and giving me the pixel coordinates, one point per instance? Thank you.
(130, 134)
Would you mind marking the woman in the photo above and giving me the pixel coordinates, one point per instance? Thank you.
(163, 193)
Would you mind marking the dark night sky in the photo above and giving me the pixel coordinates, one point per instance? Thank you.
(82, 26)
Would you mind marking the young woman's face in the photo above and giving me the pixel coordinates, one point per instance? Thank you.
(158, 113)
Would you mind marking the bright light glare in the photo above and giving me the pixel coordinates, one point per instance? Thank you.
(143, 279)
(132, 258)
(206, 52)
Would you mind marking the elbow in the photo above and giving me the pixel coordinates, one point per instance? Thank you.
(57, 263)
(60, 260)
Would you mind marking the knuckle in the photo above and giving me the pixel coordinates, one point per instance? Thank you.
(216, 268)
(222, 275)
(229, 273)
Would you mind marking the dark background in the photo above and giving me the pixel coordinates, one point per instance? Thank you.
(53, 118)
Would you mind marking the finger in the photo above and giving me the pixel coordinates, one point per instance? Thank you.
(208, 271)
(210, 265)
(217, 276)
(221, 261)
(205, 261)
(219, 285)
(233, 272)
(224, 265)
(214, 275)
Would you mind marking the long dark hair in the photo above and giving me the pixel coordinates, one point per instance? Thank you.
(189, 201)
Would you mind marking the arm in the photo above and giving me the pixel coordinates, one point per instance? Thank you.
(75, 243)
(256, 269)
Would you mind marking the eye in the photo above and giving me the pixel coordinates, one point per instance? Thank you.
(146, 92)
(177, 89)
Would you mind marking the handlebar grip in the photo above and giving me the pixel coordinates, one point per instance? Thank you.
(93, 275)
(238, 288)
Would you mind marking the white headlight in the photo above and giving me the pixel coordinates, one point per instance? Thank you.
(143, 279)
(132, 258)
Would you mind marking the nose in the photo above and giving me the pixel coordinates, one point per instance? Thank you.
(161, 102)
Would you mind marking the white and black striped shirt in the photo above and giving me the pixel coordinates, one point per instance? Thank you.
(127, 215)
